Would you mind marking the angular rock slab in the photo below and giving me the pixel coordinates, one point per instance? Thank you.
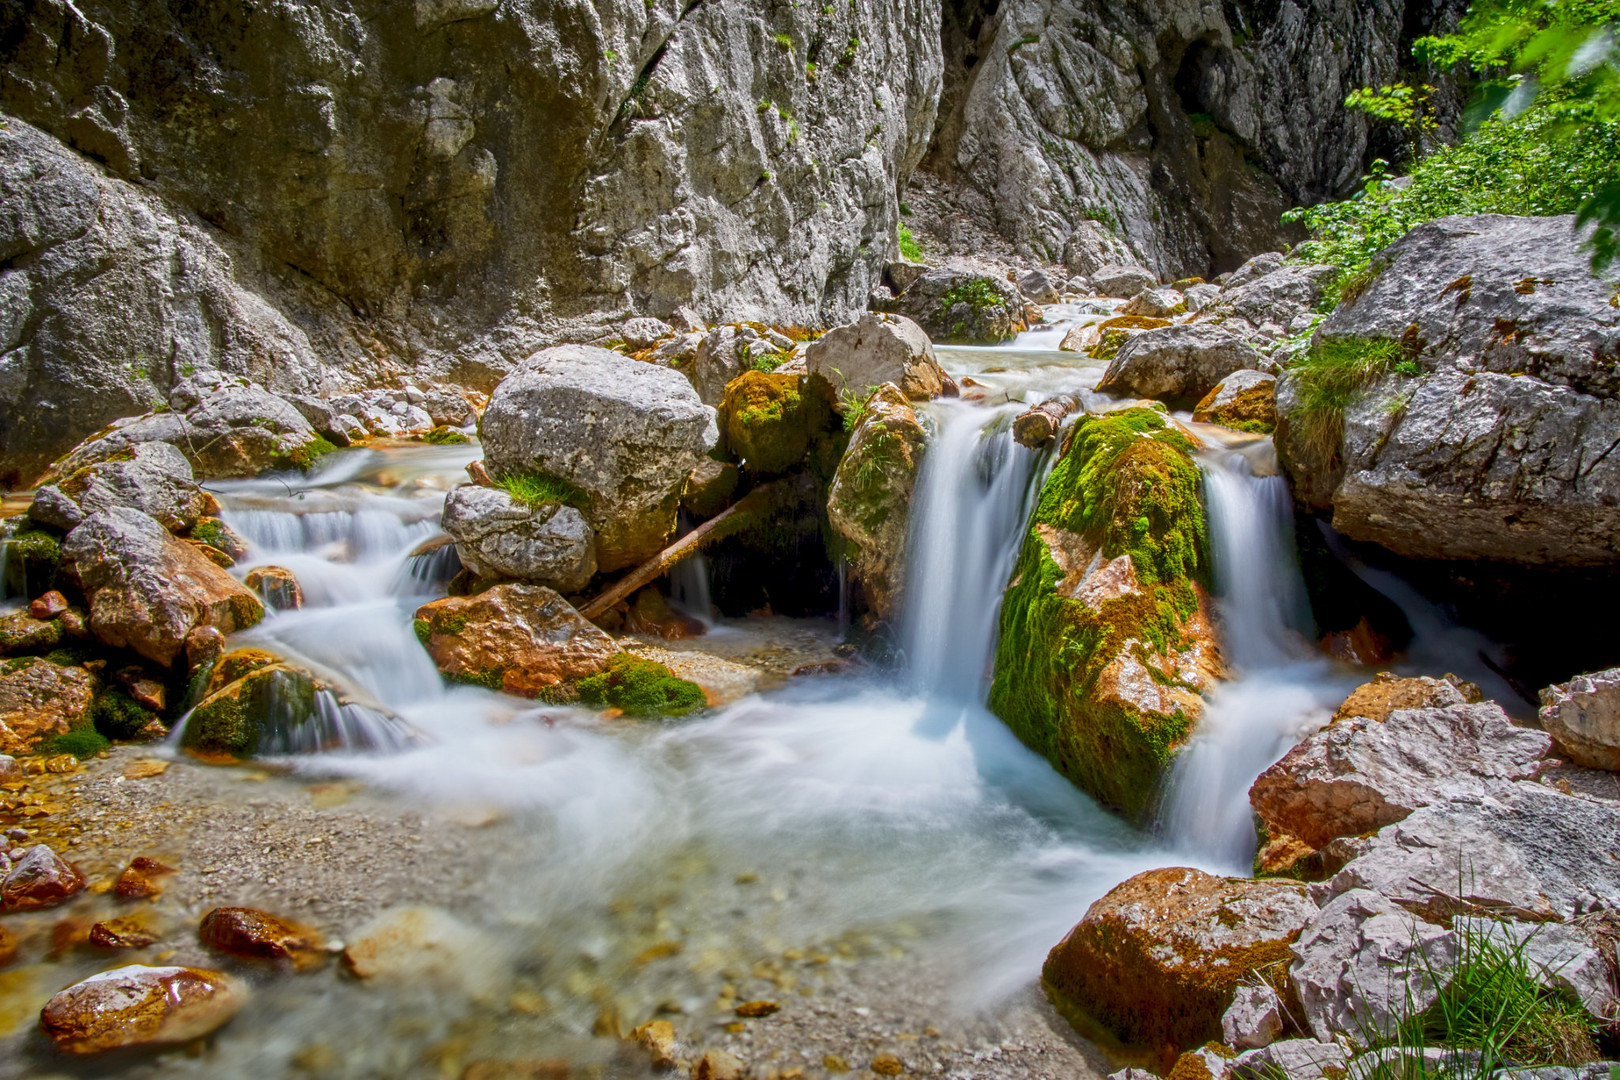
(1583, 717)
(624, 432)
(40, 699)
(1357, 775)
(148, 590)
(156, 480)
(137, 1005)
(1177, 363)
(1158, 960)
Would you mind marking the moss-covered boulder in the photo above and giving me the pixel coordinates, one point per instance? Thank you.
(1244, 400)
(771, 419)
(41, 700)
(253, 700)
(1107, 636)
(870, 496)
(962, 307)
(33, 557)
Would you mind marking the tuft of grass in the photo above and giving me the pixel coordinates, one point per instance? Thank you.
(784, 41)
(83, 744)
(910, 250)
(1329, 375)
(769, 362)
(538, 489)
(977, 293)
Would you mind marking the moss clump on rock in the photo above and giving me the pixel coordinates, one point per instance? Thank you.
(443, 435)
(250, 702)
(640, 687)
(82, 744)
(119, 716)
(33, 559)
(304, 458)
(771, 420)
(1105, 681)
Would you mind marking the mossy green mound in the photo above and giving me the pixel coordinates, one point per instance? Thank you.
(641, 688)
(771, 419)
(33, 559)
(1103, 677)
(263, 701)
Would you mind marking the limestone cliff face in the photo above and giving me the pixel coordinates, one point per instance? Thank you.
(1174, 131)
(326, 194)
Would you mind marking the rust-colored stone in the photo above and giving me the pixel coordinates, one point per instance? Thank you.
(142, 879)
(250, 932)
(48, 605)
(1158, 959)
(138, 1005)
(123, 932)
(40, 879)
(522, 639)
(1360, 644)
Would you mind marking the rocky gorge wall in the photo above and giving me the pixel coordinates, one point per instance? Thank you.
(322, 196)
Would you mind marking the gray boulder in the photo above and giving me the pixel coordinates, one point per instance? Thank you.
(497, 536)
(1161, 302)
(723, 354)
(962, 307)
(1359, 774)
(877, 349)
(1499, 449)
(147, 590)
(155, 479)
(1200, 297)
(1038, 288)
(224, 427)
(1296, 1059)
(1583, 717)
(625, 433)
(1177, 363)
(1253, 269)
(1271, 305)
(1254, 1019)
(1121, 281)
(644, 333)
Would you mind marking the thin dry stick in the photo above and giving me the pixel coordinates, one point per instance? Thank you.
(731, 520)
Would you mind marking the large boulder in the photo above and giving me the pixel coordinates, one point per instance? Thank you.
(962, 307)
(1158, 960)
(1177, 364)
(39, 700)
(153, 477)
(1244, 401)
(1162, 302)
(771, 419)
(726, 352)
(877, 349)
(869, 501)
(1121, 280)
(498, 536)
(625, 434)
(224, 427)
(1495, 445)
(1583, 717)
(137, 1005)
(147, 590)
(1107, 631)
(1359, 774)
(521, 639)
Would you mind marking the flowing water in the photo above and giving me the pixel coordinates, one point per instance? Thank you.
(878, 813)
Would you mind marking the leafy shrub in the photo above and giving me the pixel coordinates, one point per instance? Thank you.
(910, 250)
(1529, 165)
(977, 293)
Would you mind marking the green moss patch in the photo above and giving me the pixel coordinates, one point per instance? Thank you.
(1126, 485)
(83, 745)
(33, 559)
(306, 456)
(444, 436)
(771, 420)
(641, 688)
(116, 715)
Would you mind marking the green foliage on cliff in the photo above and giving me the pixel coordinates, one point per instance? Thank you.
(1126, 484)
(1545, 135)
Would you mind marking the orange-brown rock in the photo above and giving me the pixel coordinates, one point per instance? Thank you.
(515, 1070)
(40, 879)
(138, 1005)
(147, 589)
(719, 1065)
(40, 700)
(522, 639)
(48, 605)
(751, 1010)
(650, 613)
(277, 585)
(1158, 959)
(8, 947)
(1360, 644)
(142, 879)
(657, 1037)
(123, 932)
(1377, 699)
(251, 932)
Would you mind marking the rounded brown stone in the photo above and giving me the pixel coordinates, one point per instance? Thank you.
(250, 932)
(40, 879)
(138, 1005)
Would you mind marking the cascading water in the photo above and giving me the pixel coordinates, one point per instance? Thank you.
(1280, 692)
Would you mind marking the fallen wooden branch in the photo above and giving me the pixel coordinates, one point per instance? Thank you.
(731, 520)
(1038, 426)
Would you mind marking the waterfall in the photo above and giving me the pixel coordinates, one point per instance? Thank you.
(1281, 690)
(967, 519)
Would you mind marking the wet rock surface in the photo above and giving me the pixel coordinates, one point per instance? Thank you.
(1179, 364)
(140, 1005)
(871, 493)
(156, 480)
(523, 639)
(1583, 717)
(498, 536)
(1158, 960)
(40, 700)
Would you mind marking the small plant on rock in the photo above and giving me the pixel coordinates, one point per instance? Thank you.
(1329, 375)
(542, 489)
